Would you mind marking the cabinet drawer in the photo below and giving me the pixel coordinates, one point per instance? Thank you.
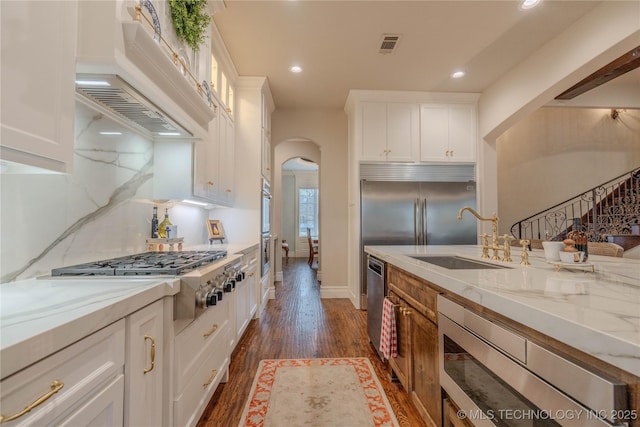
(78, 373)
(191, 402)
(194, 344)
(415, 291)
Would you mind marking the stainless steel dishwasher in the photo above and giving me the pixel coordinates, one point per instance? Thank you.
(376, 291)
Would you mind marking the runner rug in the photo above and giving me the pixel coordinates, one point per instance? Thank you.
(342, 392)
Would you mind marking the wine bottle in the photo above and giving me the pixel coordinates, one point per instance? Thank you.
(162, 228)
(154, 223)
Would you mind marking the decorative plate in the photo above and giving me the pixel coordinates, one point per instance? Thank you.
(154, 18)
(207, 91)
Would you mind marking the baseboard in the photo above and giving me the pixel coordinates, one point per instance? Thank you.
(336, 292)
(278, 276)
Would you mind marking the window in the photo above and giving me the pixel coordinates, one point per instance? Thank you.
(308, 211)
(214, 73)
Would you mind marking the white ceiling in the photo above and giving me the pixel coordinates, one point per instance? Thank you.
(336, 43)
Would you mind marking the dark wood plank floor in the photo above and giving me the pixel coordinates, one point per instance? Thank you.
(298, 324)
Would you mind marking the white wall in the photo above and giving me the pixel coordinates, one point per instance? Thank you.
(100, 211)
(558, 153)
(327, 129)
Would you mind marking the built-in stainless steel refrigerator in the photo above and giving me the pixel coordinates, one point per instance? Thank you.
(410, 213)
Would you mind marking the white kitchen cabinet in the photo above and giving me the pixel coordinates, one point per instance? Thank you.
(448, 133)
(201, 362)
(38, 83)
(246, 294)
(390, 131)
(226, 154)
(202, 170)
(206, 182)
(80, 385)
(144, 367)
(265, 122)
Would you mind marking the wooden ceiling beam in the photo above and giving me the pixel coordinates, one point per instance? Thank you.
(627, 62)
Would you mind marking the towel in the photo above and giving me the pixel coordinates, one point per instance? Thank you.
(388, 337)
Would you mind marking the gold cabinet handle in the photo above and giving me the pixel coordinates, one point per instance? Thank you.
(405, 311)
(211, 331)
(56, 386)
(451, 153)
(153, 354)
(214, 372)
(228, 110)
(228, 190)
(209, 182)
(446, 153)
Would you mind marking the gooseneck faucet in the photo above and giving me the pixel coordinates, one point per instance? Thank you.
(494, 233)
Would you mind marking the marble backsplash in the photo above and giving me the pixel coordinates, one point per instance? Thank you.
(102, 210)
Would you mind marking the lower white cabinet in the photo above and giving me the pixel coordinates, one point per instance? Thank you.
(144, 367)
(201, 362)
(81, 385)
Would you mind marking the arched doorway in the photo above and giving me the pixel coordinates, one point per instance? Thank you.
(297, 172)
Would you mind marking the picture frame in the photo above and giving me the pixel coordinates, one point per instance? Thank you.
(216, 232)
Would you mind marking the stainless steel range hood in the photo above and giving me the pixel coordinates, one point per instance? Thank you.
(115, 95)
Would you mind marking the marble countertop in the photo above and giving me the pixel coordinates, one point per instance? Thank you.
(41, 316)
(595, 312)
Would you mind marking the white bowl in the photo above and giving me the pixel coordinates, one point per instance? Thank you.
(571, 257)
(551, 250)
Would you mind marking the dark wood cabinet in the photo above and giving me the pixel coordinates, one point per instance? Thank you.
(416, 366)
(450, 416)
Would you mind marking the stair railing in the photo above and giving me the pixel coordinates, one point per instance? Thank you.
(610, 208)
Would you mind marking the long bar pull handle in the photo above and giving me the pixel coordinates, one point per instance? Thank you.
(416, 222)
(214, 372)
(153, 354)
(56, 386)
(211, 331)
(424, 221)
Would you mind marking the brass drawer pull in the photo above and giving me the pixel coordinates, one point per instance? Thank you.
(211, 331)
(214, 372)
(153, 354)
(55, 387)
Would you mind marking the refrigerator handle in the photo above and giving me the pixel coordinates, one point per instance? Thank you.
(424, 222)
(416, 222)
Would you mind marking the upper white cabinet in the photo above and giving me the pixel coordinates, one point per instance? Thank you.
(202, 170)
(38, 74)
(394, 126)
(226, 155)
(390, 131)
(265, 121)
(448, 133)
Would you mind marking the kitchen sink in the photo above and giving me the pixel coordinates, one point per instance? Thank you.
(453, 262)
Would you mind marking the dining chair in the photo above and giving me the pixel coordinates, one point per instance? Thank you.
(313, 247)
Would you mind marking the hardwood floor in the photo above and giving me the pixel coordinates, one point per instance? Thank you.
(298, 324)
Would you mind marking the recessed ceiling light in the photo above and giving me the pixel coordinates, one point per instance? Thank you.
(529, 4)
(295, 69)
(110, 133)
(458, 74)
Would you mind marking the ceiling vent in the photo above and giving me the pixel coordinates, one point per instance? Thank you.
(389, 43)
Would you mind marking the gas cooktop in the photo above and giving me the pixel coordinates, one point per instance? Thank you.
(146, 263)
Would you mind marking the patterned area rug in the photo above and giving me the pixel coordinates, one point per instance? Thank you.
(341, 392)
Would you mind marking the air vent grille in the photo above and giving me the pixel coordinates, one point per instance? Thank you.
(389, 43)
(124, 100)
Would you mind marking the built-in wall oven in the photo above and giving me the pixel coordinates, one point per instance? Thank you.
(496, 377)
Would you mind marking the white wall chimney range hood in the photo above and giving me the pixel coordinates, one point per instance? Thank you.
(143, 84)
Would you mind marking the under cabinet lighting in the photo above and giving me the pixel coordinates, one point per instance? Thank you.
(92, 83)
(193, 202)
(110, 133)
(169, 133)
